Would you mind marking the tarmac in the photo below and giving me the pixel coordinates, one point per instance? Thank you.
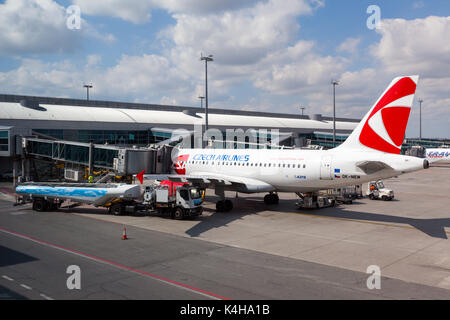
(254, 252)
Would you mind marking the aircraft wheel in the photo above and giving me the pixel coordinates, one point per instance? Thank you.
(276, 199)
(271, 198)
(220, 206)
(228, 205)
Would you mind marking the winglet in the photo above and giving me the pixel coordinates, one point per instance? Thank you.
(140, 176)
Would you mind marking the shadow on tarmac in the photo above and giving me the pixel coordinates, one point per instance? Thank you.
(253, 205)
(9, 257)
(7, 294)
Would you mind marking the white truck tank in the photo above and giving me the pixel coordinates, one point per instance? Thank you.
(91, 193)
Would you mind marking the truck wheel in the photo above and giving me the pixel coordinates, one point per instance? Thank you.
(39, 205)
(371, 197)
(178, 214)
(384, 198)
(116, 209)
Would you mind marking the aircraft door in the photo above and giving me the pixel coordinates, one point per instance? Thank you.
(325, 168)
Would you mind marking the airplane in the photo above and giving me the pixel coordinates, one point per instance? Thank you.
(441, 155)
(371, 152)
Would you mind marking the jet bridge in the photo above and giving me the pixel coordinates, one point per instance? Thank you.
(119, 160)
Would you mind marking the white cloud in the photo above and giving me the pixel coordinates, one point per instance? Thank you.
(136, 11)
(349, 45)
(201, 6)
(240, 37)
(420, 46)
(139, 11)
(28, 26)
(39, 27)
(298, 69)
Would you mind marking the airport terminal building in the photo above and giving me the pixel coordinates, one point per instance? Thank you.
(63, 129)
(74, 134)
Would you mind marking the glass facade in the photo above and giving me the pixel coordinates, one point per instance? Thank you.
(55, 133)
(323, 139)
(4, 141)
(73, 153)
(115, 137)
(104, 157)
(40, 148)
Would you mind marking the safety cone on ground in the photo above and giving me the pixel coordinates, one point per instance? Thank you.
(124, 234)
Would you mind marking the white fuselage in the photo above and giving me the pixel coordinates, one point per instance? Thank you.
(293, 170)
(441, 155)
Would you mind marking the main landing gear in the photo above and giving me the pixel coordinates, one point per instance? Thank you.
(271, 198)
(224, 205)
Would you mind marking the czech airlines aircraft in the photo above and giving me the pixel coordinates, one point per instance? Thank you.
(371, 152)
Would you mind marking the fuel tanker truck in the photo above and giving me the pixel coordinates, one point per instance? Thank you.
(182, 201)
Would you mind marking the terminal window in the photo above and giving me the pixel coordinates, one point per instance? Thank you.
(4, 141)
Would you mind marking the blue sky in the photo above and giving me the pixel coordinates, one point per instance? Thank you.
(269, 54)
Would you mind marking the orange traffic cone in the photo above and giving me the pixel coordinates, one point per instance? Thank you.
(124, 233)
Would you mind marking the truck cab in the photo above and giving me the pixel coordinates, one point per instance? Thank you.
(178, 201)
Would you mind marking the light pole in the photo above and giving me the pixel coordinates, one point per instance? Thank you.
(201, 107)
(201, 101)
(206, 59)
(334, 83)
(87, 86)
(302, 108)
(420, 121)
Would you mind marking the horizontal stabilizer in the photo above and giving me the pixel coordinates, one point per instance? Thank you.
(370, 167)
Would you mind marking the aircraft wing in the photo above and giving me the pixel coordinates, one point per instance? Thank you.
(213, 180)
(370, 167)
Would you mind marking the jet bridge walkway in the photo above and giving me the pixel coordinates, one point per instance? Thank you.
(119, 160)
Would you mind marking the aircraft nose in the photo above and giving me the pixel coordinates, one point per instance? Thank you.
(426, 164)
